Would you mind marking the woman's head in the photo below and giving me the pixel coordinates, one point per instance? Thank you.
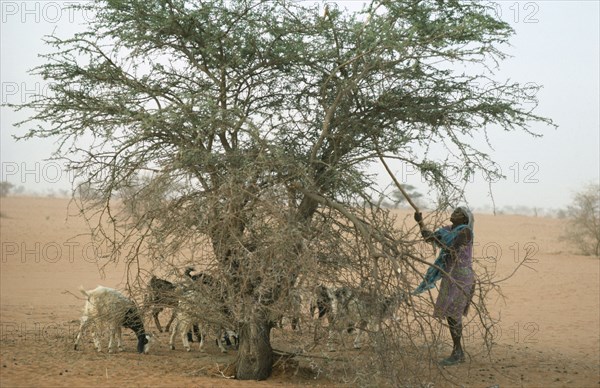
(462, 216)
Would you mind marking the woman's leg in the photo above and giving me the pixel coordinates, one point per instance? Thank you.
(456, 334)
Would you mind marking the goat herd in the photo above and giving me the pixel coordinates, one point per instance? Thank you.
(198, 306)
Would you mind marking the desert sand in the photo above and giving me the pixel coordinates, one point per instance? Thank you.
(548, 336)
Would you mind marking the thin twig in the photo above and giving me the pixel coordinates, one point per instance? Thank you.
(283, 353)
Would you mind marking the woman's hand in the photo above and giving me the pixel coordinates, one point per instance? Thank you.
(418, 217)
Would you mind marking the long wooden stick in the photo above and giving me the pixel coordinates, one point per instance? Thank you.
(398, 185)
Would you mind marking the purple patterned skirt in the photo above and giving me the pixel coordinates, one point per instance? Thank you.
(456, 293)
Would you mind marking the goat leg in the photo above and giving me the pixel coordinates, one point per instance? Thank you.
(155, 313)
(173, 313)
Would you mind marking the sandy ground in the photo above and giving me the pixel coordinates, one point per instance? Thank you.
(549, 334)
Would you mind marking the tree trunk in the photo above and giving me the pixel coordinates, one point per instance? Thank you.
(255, 356)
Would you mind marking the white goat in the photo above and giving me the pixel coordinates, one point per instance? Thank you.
(108, 307)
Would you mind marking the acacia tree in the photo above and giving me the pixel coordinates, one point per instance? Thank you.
(398, 196)
(254, 122)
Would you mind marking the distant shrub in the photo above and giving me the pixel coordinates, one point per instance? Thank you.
(5, 188)
(584, 220)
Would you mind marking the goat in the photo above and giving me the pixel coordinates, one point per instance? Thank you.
(107, 306)
(322, 302)
(161, 294)
(201, 277)
(347, 309)
(164, 294)
(295, 302)
(192, 310)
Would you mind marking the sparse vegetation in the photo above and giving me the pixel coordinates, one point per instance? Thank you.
(5, 188)
(584, 221)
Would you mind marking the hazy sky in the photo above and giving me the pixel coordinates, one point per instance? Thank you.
(556, 45)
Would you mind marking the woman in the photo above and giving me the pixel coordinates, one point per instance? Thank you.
(456, 259)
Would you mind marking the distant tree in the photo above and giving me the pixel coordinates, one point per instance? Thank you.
(5, 188)
(584, 220)
(398, 197)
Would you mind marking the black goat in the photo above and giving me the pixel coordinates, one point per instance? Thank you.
(162, 294)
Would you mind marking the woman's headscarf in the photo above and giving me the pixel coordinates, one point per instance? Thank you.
(471, 220)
